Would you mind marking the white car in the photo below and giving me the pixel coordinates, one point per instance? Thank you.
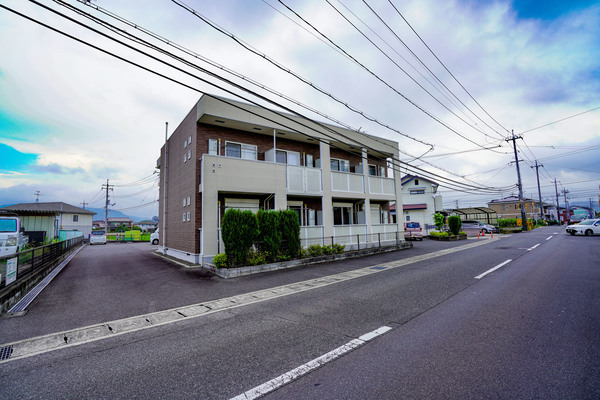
(586, 227)
(98, 237)
(154, 237)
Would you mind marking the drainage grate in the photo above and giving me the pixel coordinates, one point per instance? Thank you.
(5, 352)
(379, 268)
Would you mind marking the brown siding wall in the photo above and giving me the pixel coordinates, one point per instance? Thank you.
(182, 181)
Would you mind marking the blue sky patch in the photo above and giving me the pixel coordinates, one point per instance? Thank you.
(548, 10)
(13, 160)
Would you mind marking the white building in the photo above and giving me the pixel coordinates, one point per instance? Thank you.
(421, 200)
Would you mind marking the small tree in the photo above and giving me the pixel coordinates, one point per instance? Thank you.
(239, 231)
(438, 219)
(290, 232)
(269, 232)
(454, 223)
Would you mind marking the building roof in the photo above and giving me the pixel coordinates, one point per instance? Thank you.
(45, 208)
(510, 199)
(408, 178)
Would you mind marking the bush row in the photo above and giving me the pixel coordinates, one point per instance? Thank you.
(251, 239)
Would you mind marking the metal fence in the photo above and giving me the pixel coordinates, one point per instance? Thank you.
(357, 242)
(31, 260)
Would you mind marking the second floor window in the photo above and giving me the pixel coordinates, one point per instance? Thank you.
(340, 165)
(75, 218)
(239, 150)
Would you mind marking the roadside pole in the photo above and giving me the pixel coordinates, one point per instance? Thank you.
(523, 217)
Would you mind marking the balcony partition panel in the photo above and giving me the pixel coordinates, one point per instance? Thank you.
(347, 182)
(303, 180)
(381, 185)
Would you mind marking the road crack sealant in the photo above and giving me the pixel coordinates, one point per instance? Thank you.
(78, 336)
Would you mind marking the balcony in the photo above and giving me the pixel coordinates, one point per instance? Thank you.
(347, 182)
(304, 180)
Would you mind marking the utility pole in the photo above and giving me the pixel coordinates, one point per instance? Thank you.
(107, 186)
(84, 203)
(557, 205)
(37, 196)
(523, 217)
(564, 192)
(537, 173)
(163, 166)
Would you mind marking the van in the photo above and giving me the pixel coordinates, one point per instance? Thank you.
(154, 237)
(413, 231)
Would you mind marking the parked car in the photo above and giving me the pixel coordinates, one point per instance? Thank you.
(154, 237)
(480, 226)
(98, 237)
(413, 231)
(586, 227)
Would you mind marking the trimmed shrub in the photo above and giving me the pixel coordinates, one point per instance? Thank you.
(507, 222)
(290, 233)
(338, 248)
(220, 260)
(257, 257)
(269, 234)
(239, 231)
(315, 250)
(454, 223)
(438, 234)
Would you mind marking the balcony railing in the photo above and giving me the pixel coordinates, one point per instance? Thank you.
(382, 185)
(303, 180)
(347, 182)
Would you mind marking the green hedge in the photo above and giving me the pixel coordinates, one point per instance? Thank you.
(239, 232)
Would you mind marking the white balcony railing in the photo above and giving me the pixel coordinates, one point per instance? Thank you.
(382, 185)
(347, 182)
(384, 228)
(303, 180)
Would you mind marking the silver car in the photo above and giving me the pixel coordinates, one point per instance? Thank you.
(480, 226)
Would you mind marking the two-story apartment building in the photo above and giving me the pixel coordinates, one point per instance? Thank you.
(229, 154)
(421, 200)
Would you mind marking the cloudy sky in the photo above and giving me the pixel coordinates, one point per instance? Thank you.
(72, 117)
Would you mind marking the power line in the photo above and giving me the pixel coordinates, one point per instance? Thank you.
(451, 74)
(560, 120)
(379, 78)
(467, 188)
(402, 69)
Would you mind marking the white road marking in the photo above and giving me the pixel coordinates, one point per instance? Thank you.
(304, 369)
(489, 271)
(532, 248)
(549, 237)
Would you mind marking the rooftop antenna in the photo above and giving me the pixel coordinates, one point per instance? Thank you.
(37, 196)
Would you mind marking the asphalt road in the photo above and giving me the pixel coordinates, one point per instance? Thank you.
(527, 330)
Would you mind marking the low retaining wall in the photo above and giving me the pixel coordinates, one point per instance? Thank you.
(258, 269)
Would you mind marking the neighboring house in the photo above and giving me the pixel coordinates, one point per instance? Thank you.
(509, 207)
(116, 222)
(147, 225)
(43, 221)
(420, 200)
(229, 154)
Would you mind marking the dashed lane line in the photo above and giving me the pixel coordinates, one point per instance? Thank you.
(74, 337)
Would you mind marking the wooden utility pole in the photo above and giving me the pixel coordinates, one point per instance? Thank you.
(523, 217)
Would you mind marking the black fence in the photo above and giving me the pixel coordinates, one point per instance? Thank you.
(29, 261)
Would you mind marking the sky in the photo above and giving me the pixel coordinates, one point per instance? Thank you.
(72, 117)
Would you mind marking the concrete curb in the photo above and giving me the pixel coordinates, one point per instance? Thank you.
(228, 273)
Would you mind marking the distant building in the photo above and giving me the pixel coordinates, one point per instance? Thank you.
(510, 207)
(147, 225)
(44, 221)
